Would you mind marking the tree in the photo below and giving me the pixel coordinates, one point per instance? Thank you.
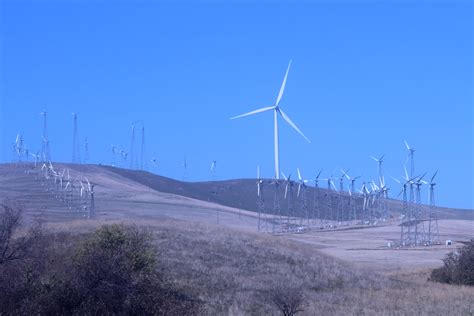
(12, 248)
(288, 299)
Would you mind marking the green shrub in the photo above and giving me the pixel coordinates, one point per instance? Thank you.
(111, 271)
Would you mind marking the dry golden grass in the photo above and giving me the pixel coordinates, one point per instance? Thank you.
(235, 273)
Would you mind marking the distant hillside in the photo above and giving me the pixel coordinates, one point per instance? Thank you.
(120, 190)
(242, 193)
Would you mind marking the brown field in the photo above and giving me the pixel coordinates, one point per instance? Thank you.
(214, 251)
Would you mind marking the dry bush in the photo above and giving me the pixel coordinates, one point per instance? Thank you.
(288, 299)
(10, 248)
(458, 267)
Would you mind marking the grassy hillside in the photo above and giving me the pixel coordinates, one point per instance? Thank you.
(239, 273)
(242, 193)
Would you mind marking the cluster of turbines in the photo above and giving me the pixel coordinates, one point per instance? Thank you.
(367, 206)
(330, 208)
(76, 193)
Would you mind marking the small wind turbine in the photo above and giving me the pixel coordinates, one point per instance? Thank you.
(154, 161)
(379, 167)
(341, 179)
(277, 111)
(411, 156)
(213, 165)
(352, 180)
(301, 183)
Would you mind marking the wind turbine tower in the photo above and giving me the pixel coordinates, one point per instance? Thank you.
(417, 216)
(433, 232)
(143, 164)
(302, 194)
(45, 151)
(133, 158)
(289, 197)
(86, 150)
(317, 200)
(260, 200)
(76, 147)
(92, 206)
(340, 216)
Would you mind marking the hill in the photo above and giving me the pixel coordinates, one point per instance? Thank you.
(242, 193)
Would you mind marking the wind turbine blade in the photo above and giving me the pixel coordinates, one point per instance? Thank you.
(299, 174)
(406, 172)
(395, 179)
(299, 189)
(380, 159)
(432, 178)
(289, 121)
(344, 173)
(317, 177)
(282, 88)
(258, 189)
(332, 183)
(374, 158)
(284, 176)
(286, 190)
(408, 147)
(268, 108)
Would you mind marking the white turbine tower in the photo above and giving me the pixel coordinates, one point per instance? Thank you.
(277, 111)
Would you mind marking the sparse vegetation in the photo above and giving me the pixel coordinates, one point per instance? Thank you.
(111, 271)
(177, 267)
(458, 267)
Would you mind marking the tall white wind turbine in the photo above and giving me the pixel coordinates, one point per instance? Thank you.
(276, 112)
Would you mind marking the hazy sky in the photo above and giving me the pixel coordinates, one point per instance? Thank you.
(366, 75)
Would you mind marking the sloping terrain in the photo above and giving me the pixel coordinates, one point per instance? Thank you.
(240, 274)
(116, 197)
(127, 196)
(242, 193)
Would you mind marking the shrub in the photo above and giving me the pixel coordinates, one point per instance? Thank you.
(112, 271)
(289, 300)
(458, 267)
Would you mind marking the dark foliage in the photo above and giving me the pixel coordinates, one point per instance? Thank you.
(112, 271)
(288, 300)
(458, 267)
(11, 248)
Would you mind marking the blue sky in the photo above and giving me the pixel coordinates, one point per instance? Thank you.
(366, 75)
